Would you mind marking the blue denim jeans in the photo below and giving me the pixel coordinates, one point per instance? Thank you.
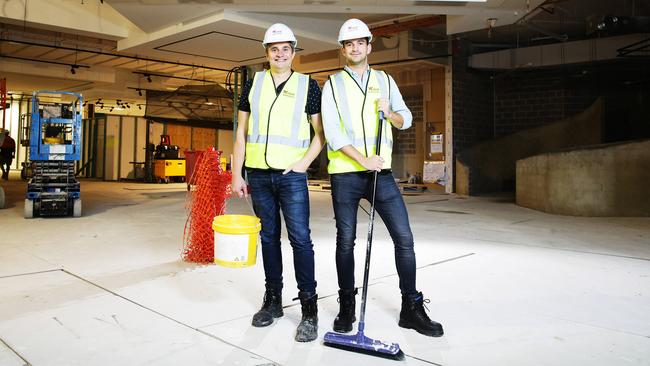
(273, 192)
(347, 190)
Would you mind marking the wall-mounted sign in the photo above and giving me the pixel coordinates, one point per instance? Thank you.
(436, 143)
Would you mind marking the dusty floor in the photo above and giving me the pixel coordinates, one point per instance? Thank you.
(511, 286)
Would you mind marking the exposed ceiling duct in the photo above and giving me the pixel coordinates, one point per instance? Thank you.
(591, 50)
(192, 104)
(616, 25)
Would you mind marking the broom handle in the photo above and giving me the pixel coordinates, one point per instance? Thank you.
(366, 271)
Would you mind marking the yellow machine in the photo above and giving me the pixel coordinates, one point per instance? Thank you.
(166, 168)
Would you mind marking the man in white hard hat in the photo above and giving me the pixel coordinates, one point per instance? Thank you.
(352, 99)
(273, 143)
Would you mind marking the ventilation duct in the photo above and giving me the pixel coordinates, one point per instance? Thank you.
(201, 105)
(591, 50)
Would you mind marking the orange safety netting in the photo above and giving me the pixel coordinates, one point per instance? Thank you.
(206, 199)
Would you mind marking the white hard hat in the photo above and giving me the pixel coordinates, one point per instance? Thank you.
(279, 32)
(353, 29)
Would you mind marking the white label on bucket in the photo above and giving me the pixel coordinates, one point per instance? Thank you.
(231, 247)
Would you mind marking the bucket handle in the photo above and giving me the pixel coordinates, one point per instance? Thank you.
(248, 201)
(247, 196)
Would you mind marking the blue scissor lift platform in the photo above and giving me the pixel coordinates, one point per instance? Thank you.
(54, 147)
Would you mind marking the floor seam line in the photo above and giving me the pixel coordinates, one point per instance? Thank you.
(167, 316)
(292, 305)
(564, 249)
(592, 325)
(31, 273)
(423, 360)
(428, 265)
(26, 363)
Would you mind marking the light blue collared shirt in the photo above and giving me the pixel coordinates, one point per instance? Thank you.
(336, 138)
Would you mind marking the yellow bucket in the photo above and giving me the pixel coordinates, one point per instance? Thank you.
(235, 240)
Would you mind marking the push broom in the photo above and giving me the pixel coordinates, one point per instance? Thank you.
(359, 342)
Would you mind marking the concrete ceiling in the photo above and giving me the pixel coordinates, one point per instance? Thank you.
(226, 33)
(174, 12)
(193, 39)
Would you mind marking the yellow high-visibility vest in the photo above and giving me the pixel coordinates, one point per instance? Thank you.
(359, 118)
(278, 130)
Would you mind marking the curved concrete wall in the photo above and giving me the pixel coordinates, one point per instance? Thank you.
(490, 166)
(605, 180)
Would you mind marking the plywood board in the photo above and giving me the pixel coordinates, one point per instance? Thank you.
(180, 135)
(202, 138)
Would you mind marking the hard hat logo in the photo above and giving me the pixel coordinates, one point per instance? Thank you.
(279, 33)
(353, 29)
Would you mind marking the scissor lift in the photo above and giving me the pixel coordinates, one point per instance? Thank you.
(54, 146)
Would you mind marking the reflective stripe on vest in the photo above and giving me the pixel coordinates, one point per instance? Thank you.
(359, 119)
(278, 130)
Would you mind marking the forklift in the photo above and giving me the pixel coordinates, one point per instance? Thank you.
(167, 164)
(54, 147)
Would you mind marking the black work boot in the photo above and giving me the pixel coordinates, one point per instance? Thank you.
(271, 308)
(308, 328)
(413, 316)
(343, 321)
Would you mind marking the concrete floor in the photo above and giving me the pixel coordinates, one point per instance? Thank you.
(511, 286)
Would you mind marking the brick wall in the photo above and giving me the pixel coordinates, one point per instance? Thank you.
(404, 140)
(487, 106)
(533, 98)
(472, 107)
(472, 103)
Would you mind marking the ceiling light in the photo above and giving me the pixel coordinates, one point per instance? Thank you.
(72, 69)
(139, 92)
(148, 77)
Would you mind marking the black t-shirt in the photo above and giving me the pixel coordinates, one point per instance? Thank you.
(8, 147)
(313, 97)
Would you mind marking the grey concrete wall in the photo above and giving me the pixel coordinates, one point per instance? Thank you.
(490, 166)
(606, 180)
